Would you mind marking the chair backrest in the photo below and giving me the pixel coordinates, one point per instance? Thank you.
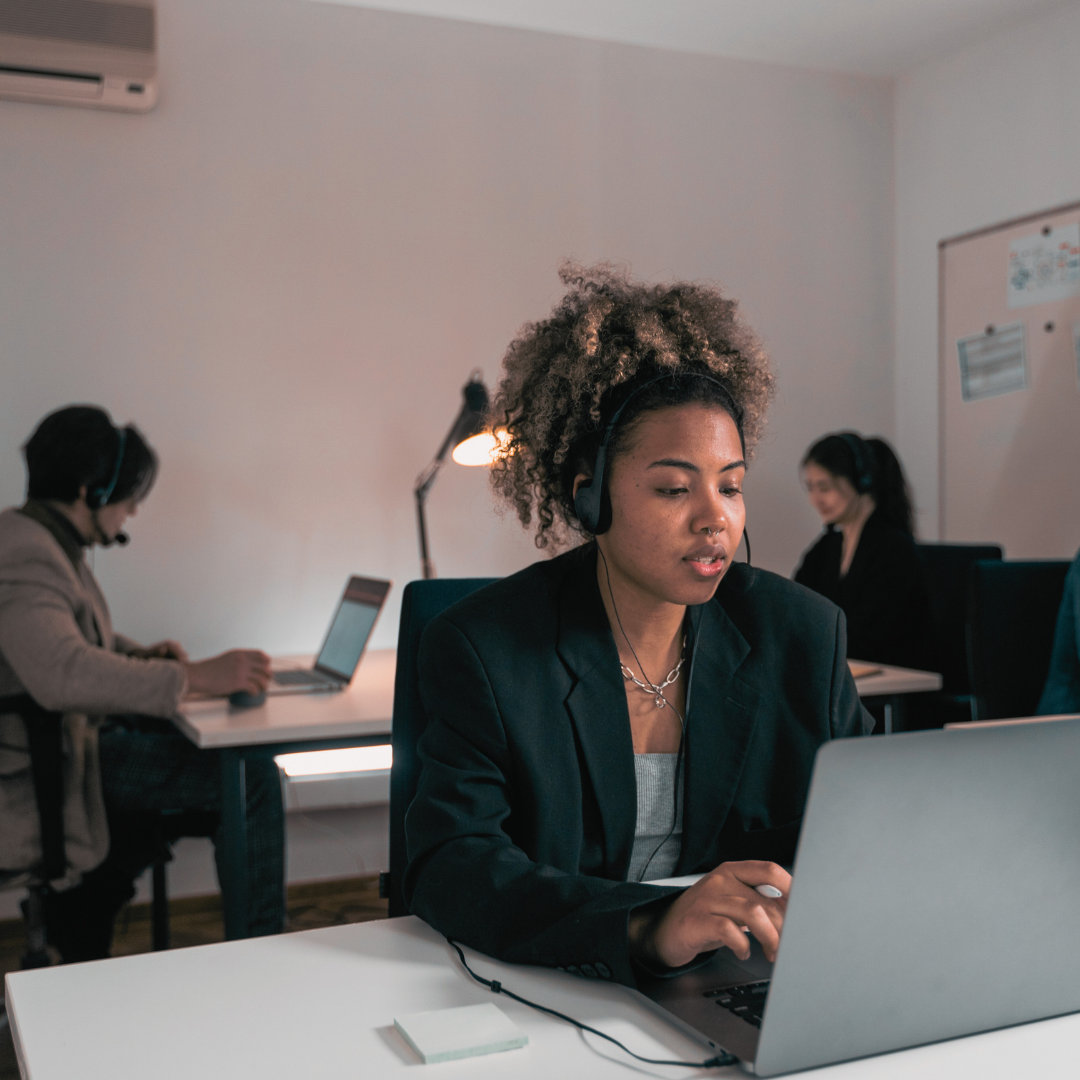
(1014, 606)
(420, 603)
(44, 739)
(947, 568)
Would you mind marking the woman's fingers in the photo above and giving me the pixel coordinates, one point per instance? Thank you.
(721, 910)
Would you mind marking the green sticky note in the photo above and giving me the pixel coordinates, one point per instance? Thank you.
(465, 1031)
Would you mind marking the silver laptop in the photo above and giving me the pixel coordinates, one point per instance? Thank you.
(344, 644)
(936, 893)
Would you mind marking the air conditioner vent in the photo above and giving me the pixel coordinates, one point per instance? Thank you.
(79, 52)
(117, 25)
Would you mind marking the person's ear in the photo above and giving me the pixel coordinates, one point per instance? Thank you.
(581, 478)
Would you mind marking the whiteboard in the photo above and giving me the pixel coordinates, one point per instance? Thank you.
(1009, 362)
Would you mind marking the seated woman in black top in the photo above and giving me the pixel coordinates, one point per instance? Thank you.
(867, 561)
(640, 705)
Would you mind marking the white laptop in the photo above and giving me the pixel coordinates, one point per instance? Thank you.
(344, 644)
(936, 893)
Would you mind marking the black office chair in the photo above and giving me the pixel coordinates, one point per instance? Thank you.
(46, 764)
(44, 733)
(1014, 606)
(420, 603)
(947, 568)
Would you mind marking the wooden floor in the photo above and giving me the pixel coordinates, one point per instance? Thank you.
(197, 921)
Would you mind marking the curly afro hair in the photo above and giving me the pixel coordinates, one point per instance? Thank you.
(564, 377)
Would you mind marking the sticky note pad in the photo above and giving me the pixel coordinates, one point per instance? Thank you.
(467, 1031)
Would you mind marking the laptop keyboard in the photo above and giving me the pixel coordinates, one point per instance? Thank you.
(746, 1001)
(298, 676)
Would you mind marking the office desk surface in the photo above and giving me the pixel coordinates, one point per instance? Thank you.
(322, 1004)
(364, 708)
(886, 680)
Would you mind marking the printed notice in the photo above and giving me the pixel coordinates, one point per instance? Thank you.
(1045, 267)
(993, 363)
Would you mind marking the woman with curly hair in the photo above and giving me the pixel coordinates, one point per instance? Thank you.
(640, 705)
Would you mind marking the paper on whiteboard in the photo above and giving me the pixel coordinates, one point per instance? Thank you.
(1045, 267)
(993, 363)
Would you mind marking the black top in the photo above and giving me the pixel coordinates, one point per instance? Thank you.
(883, 594)
(520, 834)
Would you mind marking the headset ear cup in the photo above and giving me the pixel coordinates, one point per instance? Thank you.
(603, 511)
(585, 506)
(864, 476)
(98, 497)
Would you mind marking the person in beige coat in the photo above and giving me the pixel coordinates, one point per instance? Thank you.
(123, 759)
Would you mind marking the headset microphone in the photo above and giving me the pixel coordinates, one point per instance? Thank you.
(104, 539)
(99, 496)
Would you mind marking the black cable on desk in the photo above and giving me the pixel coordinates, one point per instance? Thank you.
(496, 987)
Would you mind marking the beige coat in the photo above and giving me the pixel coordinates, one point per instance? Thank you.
(58, 645)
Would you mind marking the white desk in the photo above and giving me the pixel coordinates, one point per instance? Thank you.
(360, 715)
(322, 1004)
(890, 684)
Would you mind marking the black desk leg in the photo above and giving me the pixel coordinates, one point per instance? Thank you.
(233, 859)
(894, 716)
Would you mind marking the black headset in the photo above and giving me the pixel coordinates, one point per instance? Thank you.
(592, 502)
(860, 454)
(98, 497)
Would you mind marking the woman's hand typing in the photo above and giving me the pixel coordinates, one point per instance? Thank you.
(714, 912)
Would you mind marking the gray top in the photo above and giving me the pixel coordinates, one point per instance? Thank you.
(655, 852)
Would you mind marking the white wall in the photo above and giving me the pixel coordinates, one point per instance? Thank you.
(285, 273)
(983, 137)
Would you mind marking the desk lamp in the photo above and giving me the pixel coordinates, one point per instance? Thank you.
(469, 441)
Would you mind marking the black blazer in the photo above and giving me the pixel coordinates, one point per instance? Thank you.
(884, 593)
(520, 833)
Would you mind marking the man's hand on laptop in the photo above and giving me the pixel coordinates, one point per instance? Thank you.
(716, 911)
(237, 669)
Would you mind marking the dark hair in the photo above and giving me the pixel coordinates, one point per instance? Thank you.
(564, 378)
(79, 446)
(848, 455)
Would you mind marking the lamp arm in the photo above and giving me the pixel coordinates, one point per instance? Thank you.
(426, 479)
(420, 491)
(426, 565)
(427, 476)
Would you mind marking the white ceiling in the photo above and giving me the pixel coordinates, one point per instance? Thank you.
(870, 37)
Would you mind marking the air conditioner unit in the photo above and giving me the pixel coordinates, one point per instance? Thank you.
(98, 53)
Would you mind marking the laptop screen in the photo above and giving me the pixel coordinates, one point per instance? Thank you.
(351, 627)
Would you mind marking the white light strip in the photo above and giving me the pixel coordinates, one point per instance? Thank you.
(354, 759)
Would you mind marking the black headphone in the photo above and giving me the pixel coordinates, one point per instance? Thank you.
(864, 469)
(100, 496)
(592, 503)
